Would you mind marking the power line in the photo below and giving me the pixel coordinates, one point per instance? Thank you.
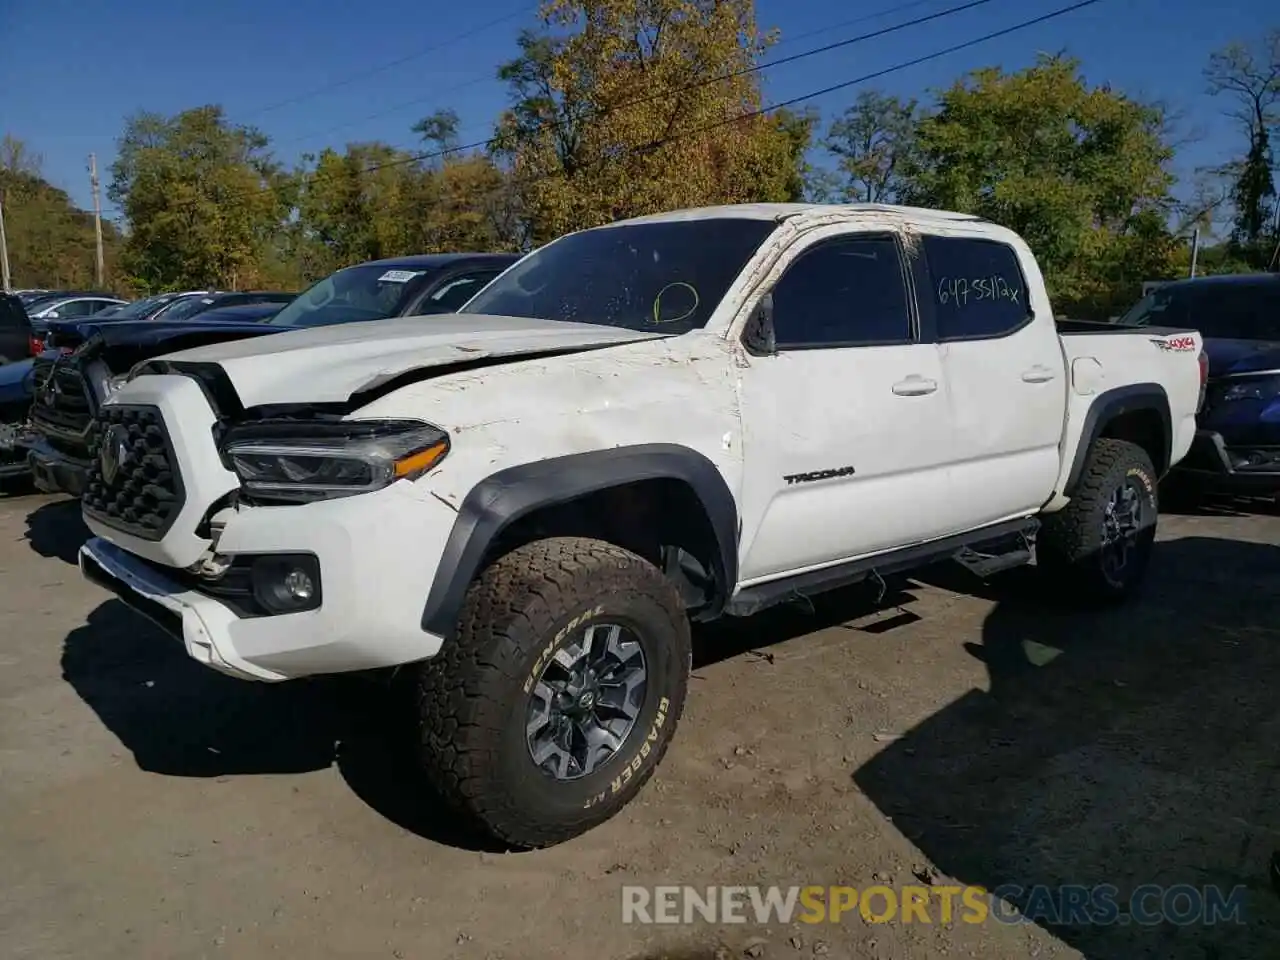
(793, 101)
(435, 97)
(812, 95)
(391, 64)
(648, 98)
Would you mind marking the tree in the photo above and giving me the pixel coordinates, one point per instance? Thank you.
(873, 140)
(51, 241)
(622, 108)
(1251, 78)
(1082, 173)
(202, 198)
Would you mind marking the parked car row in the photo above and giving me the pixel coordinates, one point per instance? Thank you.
(81, 361)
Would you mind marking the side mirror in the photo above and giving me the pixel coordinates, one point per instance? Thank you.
(759, 335)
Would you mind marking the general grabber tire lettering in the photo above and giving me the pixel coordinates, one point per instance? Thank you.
(1099, 545)
(485, 699)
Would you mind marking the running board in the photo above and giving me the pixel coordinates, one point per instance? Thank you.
(983, 552)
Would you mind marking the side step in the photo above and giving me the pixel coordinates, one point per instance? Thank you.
(983, 552)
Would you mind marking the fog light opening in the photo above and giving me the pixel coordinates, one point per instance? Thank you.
(287, 584)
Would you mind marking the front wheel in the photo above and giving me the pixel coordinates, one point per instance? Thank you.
(560, 691)
(1099, 545)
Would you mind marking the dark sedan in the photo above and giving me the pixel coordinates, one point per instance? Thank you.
(69, 388)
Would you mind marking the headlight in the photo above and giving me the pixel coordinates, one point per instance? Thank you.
(303, 461)
(1263, 388)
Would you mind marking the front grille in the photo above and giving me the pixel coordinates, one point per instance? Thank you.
(63, 408)
(134, 483)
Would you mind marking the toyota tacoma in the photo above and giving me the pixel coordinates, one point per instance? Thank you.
(668, 419)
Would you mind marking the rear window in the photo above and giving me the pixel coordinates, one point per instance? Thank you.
(1225, 311)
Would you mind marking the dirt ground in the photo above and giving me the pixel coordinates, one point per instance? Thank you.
(152, 808)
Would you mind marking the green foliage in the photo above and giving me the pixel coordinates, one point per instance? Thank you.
(202, 196)
(873, 141)
(618, 109)
(51, 242)
(1082, 173)
(622, 108)
(1249, 77)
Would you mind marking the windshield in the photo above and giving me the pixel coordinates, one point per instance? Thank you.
(365, 292)
(665, 277)
(1226, 311)
(184, 308)
(140, 308)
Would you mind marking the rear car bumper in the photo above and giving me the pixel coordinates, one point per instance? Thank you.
(1214, 467)
(55, 472)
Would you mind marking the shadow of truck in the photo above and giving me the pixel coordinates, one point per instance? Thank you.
(1142, 750)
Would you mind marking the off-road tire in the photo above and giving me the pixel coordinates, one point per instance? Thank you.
(472, 697)
(1069, 546)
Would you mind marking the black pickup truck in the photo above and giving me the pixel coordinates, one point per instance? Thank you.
(71, 382)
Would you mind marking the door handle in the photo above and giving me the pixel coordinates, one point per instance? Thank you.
(1038, 374)
(915, 386)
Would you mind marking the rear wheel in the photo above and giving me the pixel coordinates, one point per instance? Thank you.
(560, 692)
(1100, 544)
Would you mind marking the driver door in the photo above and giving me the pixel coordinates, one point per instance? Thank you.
(847, 445)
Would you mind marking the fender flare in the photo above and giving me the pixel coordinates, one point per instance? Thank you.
(1113, 403)
(504, 497)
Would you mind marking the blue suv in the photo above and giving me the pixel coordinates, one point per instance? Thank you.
(1237, 445)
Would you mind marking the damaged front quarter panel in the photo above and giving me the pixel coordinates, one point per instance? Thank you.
(679, 390)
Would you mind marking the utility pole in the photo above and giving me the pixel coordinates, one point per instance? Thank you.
(4, 251)
(97, 219)
(1195, 250)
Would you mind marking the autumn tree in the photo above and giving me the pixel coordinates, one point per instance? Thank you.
(872, 141)
(622, 108)
(1250, 78)
(201, 196)
(1081, 172)
(50, 240)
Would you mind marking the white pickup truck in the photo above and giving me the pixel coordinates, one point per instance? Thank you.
(671, 418)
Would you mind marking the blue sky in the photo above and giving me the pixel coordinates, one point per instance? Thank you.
(72, 70)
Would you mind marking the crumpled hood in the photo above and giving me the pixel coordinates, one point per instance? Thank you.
(1241, 356)
(328, 364)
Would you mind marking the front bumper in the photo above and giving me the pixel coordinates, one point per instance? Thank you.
(377, 557)
(1214, 467)
(54, 471)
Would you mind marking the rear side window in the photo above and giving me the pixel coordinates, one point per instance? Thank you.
(453, 293)
(978, 288)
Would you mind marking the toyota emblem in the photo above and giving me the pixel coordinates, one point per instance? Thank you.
(114, 453)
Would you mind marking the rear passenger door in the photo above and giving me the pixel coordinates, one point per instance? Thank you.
(1003, 365)
(846, 425)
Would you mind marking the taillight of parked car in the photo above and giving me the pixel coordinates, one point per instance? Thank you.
(35, 345)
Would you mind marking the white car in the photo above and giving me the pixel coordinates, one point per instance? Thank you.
(676, 417)
(72, 307)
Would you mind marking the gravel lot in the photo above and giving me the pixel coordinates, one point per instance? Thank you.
(152, 808)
